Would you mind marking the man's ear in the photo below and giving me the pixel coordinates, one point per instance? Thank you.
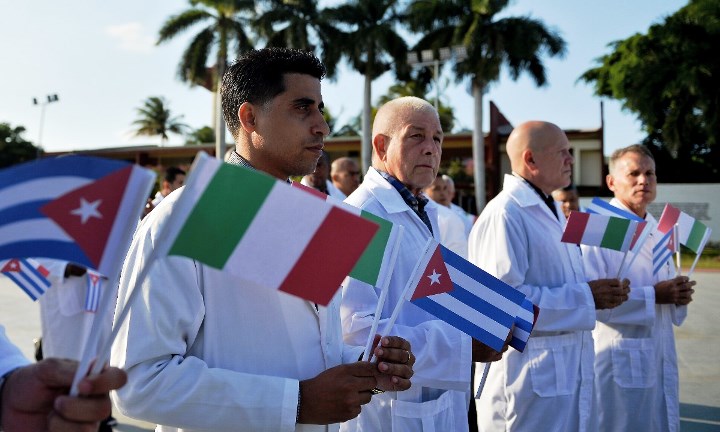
(529, 160)
(610, 180)
(246, 115)
(380, 143)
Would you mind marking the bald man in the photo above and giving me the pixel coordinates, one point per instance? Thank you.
(345, 175)
(407, 145)
(517, 239)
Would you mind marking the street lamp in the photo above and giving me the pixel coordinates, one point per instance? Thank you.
(50, 99)
(427, 58)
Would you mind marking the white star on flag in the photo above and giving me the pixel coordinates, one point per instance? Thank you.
(87, 210)
(434, 277)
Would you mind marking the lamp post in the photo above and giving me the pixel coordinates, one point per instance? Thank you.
(428, 58)
(50, 99)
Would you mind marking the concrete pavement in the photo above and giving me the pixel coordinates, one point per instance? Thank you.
(698, 346)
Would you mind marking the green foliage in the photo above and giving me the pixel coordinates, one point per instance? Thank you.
(418, 88)
(14, 149)
(204, 135)
(670, 78)
(154, 118)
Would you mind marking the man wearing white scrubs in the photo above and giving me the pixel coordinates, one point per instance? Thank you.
(636, 374)
(407, 144)
(202, 351)
(517, 239)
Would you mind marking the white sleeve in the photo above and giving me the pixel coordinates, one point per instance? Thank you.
(10, 355)
(499, 245)
(639, 309)
(166, 385)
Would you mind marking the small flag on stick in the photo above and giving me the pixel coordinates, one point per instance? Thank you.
(599, 230)
(28, 274)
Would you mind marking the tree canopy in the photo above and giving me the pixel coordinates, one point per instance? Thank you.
(670, 78)
(154, 118)
(14, 149)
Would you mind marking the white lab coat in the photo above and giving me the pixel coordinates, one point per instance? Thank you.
(636, 374)
(452, 231)
(65, 323)
(467, 218)
(550, 385)
(205, 353)
(10, 355)
(439, 397)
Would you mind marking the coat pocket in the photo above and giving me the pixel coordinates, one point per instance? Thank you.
(446, 413)
(554, 364)
(633, 362)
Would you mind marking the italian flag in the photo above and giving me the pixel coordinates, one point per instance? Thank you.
(692, 233)
(264, 232)
(371, 267)
(594, 229)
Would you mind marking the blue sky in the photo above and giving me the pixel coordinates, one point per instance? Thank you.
(101, 59)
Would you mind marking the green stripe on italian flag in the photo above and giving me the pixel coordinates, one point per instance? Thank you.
(594, 229)
(264, 232)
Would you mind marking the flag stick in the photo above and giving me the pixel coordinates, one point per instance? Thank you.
(676, 238)
(650, 227)
(107, 302)
(706, 237)
(104, 352)
(411, 284)
(622, 263)
(482, 380)
(384, 288)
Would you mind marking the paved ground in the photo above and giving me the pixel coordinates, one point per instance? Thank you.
(698, 345)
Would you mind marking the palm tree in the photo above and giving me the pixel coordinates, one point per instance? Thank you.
(418, 87)
(516, 42)
(155, 119)
(299, 24)
(226, 25)
(372, 47)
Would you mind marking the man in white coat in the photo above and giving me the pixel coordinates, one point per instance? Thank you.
(202, 351)
(517, 239)
(407, 144)
(636, 374)
(33, 397)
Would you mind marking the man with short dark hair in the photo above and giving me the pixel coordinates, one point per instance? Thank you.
(204, 352)
(173, 179)
(636, 373)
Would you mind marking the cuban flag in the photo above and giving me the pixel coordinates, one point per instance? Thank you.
(75, 208)
(93, 292)
(524, 325)
(479, 304)
(664, 249)
(28, 274)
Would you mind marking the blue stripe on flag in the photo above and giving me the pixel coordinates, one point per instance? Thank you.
(482, 277)
(455, 320)
(603, 207)
(524, 324)
(67, 251)
(25, 211)
(478, 303)
(661, 260)
(661, 252)
(21, 283)
(77, 166)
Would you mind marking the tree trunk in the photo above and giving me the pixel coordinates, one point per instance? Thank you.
(366, 144)
(478, 146)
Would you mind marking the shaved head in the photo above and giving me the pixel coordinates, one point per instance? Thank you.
(391, 116)
(540, 153)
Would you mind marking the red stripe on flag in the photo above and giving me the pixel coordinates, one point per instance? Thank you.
(638, 232)
(575, 227)
(329, 256)
(669, 218)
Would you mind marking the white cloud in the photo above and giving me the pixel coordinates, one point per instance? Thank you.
(131, 37)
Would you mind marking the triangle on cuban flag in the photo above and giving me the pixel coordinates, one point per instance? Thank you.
(435, 278)
(87, 214)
